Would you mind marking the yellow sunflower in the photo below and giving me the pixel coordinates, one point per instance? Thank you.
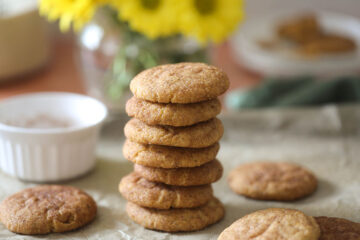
(77, 12)
(154, 18)
(210, 19)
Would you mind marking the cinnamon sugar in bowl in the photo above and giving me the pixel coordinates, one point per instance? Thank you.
(46, 137)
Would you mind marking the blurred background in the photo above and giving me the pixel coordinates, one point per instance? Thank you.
(277, 53)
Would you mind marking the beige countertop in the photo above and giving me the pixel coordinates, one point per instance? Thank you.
(326, 140)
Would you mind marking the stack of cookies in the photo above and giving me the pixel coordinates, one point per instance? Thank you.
(173, 141)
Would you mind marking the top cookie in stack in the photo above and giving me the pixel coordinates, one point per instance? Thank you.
(180, 83)
(173, 141)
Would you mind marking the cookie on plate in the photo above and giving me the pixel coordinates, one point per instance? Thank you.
(204, 174)
(168, 157)
(200, 135)
(46, 209)
(172, 114)
(180, 83)
(273, 223)
(272, 181)
(158, 195)
(177, 220)
(338, 229)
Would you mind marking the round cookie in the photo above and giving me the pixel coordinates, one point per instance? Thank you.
(204, 174)
(168, 157)
(272, 181)
(157, 195)
(338, 229)
(273, 223)
(200, 135)
(46, 209)
(172, 114)
(177, 220)
(180, 83)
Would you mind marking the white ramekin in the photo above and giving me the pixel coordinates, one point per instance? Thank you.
(46, 155)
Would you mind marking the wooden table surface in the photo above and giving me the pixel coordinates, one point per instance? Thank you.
(61, 73)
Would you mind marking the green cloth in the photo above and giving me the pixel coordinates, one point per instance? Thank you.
(297, 92)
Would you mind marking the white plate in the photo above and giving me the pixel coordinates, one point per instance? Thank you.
(279, 63)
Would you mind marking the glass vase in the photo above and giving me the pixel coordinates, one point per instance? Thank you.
(110, 54)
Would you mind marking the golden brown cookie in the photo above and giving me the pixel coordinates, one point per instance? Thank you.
(46, 209)
(204, 174)
(168, 157)
(272, 181)
(301, 29)
(328, 44)
(177, 220)
(273, 223)
(199, 135)
(180, 83)
(338, 229)
(158, 195)
(172, 114)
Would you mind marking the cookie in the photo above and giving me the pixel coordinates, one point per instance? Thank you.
(157, 195)
(272, 181)
(338, 229)
(273, 223)
(177, 220)
(46, 209)
(199, 135)
(168, 157)
(180, 83)
(172, 114)
(204, 174)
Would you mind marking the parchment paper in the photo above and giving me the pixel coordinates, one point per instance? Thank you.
(326, 140)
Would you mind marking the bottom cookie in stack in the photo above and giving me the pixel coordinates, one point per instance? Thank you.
(177, 220)
(170, 208)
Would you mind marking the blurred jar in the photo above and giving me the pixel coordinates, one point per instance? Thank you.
(24, 42)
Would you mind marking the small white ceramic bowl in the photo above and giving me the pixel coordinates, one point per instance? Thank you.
(55, 153)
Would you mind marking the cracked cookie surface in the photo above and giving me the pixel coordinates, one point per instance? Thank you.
(272, 181)
(195, 176)
(200, 135)
(273, 223)
(177, 220)
(180, 83)
(157, 195)
(168, 157)
(172, 114)
(46, 209)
